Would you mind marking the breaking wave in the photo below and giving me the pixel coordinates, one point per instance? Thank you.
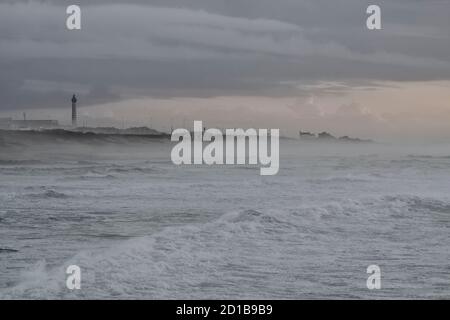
(48, 194)
(275, 253)
(19, 162)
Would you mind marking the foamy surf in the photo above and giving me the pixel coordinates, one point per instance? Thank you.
(259, 254)
(159, 231)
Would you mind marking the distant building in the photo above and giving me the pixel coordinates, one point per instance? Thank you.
(306, 135)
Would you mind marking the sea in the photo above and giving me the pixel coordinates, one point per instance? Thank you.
(140, 227)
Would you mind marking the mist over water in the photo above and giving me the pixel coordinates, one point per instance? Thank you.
(140, 227)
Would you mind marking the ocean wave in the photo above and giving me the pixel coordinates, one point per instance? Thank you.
(153, 266)
(85, 171)
(87, 162)
(178, 259)
(422, 204)
(345, 179)
(8, 250)
(211, 259)
(19, 162)
(94, 175)
(131, 170)
(49, 194)
(428, 156)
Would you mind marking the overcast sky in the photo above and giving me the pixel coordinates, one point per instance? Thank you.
(299, 63)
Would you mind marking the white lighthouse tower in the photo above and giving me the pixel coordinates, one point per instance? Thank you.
(74, 111)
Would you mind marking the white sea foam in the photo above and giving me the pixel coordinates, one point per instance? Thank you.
(164, 232)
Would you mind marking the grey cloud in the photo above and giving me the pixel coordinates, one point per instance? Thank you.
(205, 48)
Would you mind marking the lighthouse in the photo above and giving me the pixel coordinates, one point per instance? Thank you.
(74, 111)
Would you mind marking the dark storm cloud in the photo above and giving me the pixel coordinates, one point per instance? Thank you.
(200, 48)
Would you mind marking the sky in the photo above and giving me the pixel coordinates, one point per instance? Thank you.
(289, 64)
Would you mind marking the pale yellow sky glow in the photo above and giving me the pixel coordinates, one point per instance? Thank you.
(392, 111)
